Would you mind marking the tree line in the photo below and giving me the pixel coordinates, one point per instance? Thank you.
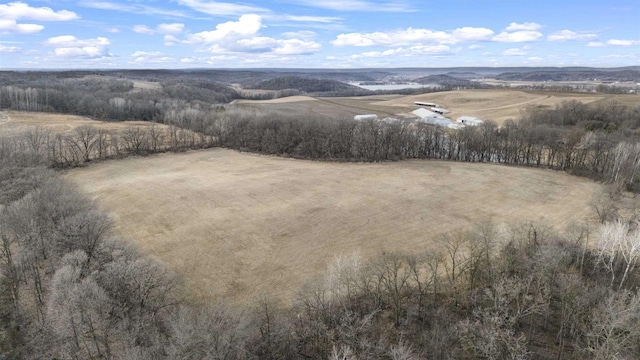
(73, 290)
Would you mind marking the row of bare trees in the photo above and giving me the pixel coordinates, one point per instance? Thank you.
(71, 290)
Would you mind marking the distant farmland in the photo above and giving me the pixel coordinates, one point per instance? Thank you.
(496, 105)
(239, 225)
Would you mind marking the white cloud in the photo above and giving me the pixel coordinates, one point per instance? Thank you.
(418, 50)
(220, 8)
(617, 42)
(474, 46)
(155, 57)
(12, 12)
(413, 36)
(526, 26)
(357, 5)
(174, 28)
(70, 46)
(514, 52)
(9, 49)
(11, 26)
(472, 34)
(304, 34)
(242, 36)
(167, 29)
(143, 29)
(247, 25)
(135, 8)
(319, 19)
(187, 60)
(296, 47)
(518, 36)
(596, 44)
(568, 35)
(19, 10)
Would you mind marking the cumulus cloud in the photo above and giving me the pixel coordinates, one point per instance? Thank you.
(247, 25)
(613, 42)
(143, 29)
(19, 10)
(173, 28)
(70, 46)
(526, 26)
(12, 12)
(617, 42)
(243, 36)
(518, 36)
(413, 36)
(568, 35)
(11, 26)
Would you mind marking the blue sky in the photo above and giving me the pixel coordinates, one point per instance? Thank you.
(318, 34)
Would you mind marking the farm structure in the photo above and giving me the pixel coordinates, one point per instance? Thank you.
(430, 117)
(365, 117)
(427, 104)
(470, 121)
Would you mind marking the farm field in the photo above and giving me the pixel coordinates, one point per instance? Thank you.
(16, 122)
(496, 105)
(239, 225)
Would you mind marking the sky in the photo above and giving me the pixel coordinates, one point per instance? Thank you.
(134, 34)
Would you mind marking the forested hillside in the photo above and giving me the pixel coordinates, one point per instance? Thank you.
(308, 85)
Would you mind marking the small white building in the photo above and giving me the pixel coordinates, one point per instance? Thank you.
(469, 121)
(427, 104)
(365, 117)
(439, 110)
(429, 117)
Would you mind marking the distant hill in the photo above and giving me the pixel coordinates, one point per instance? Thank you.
(309, 85)
(622, 75)
(444, 80)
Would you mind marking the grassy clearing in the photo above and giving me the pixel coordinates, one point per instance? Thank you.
(17, 122)
(240, 225)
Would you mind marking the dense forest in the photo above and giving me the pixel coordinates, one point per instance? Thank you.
(70, 289)
(308, 85)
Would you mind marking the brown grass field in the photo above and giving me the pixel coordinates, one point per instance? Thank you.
(240, 225)
(16, 122)
(496, 105)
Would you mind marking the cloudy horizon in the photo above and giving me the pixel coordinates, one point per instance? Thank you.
(317, 34)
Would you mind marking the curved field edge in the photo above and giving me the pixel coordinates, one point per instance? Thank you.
(239, 225)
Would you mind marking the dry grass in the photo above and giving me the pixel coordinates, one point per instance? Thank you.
(16, 122)
(240, 225)
(496, 105)
(283, 100)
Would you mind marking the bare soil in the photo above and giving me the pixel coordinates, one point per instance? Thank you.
(240, 225)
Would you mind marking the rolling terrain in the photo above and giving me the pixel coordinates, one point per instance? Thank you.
(496, 105)
(239, 225)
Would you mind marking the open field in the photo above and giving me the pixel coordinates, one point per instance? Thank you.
(239, 225)
(496, 105)
(16, 122)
